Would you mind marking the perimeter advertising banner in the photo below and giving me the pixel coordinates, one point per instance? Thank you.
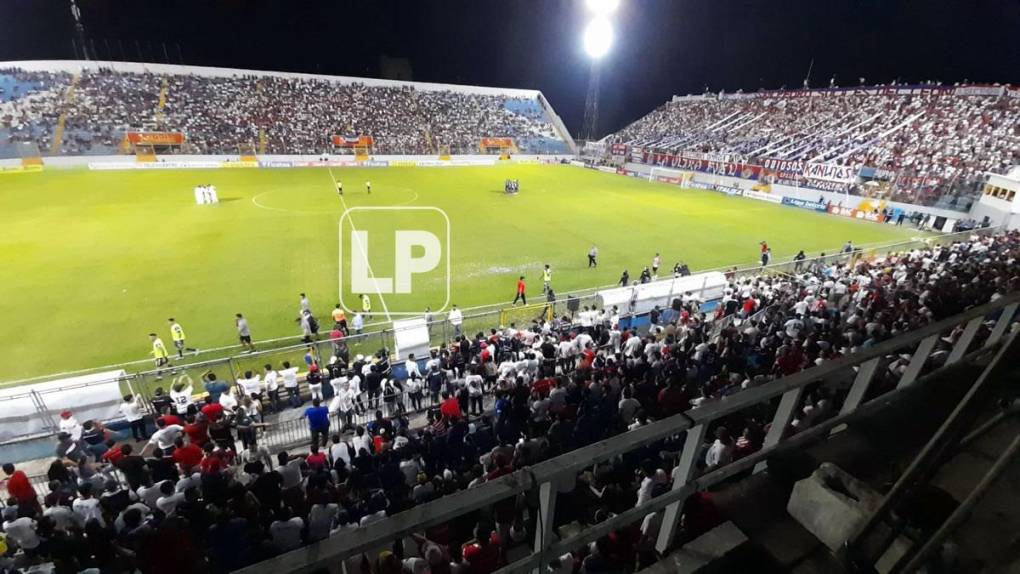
(805, 204)
(497, 142)
(156, 138)
(353, 141)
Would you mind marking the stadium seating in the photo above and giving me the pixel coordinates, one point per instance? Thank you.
(938, 140)
(295, 115)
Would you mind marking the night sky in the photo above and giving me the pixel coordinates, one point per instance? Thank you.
(663, 47)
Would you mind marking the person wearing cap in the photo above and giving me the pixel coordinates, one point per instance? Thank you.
(70, 425)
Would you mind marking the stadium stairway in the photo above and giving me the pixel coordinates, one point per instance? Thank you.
(161, 105)
(58, 131)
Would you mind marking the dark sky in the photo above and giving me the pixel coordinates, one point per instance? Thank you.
(663, 47)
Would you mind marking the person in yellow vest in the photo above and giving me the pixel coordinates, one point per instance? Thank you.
(340, 319)
(159, 354)
(177, 336)
(366, 305)
(546, 279)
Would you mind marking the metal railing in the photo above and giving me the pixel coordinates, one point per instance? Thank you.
(863, 367)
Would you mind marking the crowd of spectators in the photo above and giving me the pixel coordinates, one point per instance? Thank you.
(192, 500)
(218, 114)
(935, 144)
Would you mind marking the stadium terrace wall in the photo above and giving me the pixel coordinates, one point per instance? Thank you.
(795, 196)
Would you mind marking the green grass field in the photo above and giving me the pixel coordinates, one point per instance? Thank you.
(93, 261)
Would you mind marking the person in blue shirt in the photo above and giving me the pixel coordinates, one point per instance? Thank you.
(318, 422)
(214, 387)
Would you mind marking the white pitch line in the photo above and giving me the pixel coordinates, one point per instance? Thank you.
(361, 248)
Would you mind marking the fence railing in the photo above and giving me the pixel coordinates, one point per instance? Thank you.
(863, 368)
(380, 336)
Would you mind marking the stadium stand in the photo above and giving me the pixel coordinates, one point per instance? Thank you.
(934, 142)
(217, 113)
(558, 387)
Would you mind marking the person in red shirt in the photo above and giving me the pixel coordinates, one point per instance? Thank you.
(19, 487)
(172, 420)
(450, 408)
(187, 456)
(791, 361)
(212, 412)
(674, 399)
(520, 291)
(748, 306)
(113, 452)
(543, 386)
(197, 431)
(316, 460)
(485, 552)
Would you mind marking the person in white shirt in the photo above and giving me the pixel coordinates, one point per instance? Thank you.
(228, 401)
(165, 435)
(271, 380)
(21, 531)
(632, 346)
(180, 394)
(285, 531)
(320, 520)
(169, 500)
(361, 441)
(131, 409)
(410, 468)
(411, 366)
(456, 319)
(339, 450)
(87, 506)
(290, 382)
(251, 385)
(70, 425)
(721, 451)
(358, 323)
(148, 495)
(63, 518)
(415, 391)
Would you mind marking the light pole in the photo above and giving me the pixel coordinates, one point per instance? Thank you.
(597, 40)
(79, 28)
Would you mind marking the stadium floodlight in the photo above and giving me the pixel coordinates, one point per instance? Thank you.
(602, 7)
(598, 37)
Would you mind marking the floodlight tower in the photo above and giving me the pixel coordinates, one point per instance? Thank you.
(597, 40)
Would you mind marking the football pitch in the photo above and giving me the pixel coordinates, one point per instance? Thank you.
(94, 261)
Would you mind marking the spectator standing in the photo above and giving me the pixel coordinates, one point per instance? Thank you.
(131, 409)
(318, 422)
